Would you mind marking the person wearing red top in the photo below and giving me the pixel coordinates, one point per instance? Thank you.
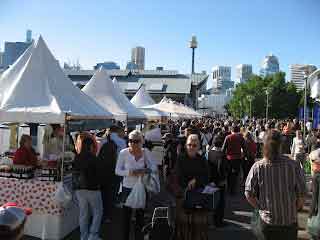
(25, 155)
(234, 146)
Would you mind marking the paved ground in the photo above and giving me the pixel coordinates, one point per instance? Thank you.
(238, 214)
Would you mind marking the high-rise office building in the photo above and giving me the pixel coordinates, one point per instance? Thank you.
(138, 57)
(131, 66)
(270, 65)
(221, 76)
(243, 73)
(298, 71)
(29, 36)
(13, 50)
(1, 59)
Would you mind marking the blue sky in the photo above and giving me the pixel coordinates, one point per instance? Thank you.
(229, 32)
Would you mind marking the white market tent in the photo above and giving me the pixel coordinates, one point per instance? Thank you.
(167, 105)
(189, 111)
(35, 89)
(181, 110)
(154, 114)
(102, 90)
(142, 98)
(133, 112)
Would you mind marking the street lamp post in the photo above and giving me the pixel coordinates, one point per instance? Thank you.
(193, 46)
(194, 91)
(267, 108)
(305, 105)
(250, 106)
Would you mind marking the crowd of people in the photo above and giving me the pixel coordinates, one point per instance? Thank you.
(268, 158)
(263, 160)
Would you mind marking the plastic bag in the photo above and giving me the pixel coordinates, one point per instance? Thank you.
(313, 226)
(137, 197)
(62, 195)
(152, 183)
(256, 224)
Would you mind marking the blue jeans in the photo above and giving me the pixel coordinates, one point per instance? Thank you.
(90, 204)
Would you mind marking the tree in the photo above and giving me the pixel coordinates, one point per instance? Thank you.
(283, 97)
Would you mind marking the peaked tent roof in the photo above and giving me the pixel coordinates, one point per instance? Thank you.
(142, 98)
(154, 114)
(101, 89)
(35, 89)
(174, 109)
(133, 112)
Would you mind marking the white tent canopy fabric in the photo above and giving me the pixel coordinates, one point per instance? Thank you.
(154, 114)
(35, 89)
(173, 109)
(142, 98)
(314, 82)
(132, 111)
(102, 90)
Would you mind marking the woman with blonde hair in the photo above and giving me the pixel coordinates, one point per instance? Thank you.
(133, 162)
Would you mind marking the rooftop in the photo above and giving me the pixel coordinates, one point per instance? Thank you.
(156, 81)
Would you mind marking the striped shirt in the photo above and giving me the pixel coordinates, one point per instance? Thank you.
(277, 186)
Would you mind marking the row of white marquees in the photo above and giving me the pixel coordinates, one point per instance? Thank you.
(35, 89)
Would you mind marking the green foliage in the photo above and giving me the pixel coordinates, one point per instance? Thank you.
(307, 167)
(283, 97)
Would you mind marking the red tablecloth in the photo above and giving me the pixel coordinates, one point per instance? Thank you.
(30, 193)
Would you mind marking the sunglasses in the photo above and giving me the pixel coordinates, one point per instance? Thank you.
(135, 141)
(192, 145)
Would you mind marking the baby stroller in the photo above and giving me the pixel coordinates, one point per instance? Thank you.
(160, 227)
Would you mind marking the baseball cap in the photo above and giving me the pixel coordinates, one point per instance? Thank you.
(12, 216)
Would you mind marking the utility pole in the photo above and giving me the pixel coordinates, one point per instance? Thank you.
(194, 91)
(267, 108)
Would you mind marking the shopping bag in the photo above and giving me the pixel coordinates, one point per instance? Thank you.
(313, 226)
(152, 183)
(151, 180)
(137, 197)
(198, 199)
(256, 224)
(62, 195)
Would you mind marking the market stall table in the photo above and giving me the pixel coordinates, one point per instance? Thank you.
(48, 220)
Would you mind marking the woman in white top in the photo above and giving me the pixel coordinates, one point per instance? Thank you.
(298, 148)
(132, 163)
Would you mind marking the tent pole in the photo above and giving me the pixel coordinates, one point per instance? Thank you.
(63, 147)
(127, 120)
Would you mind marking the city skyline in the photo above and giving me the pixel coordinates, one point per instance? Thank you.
(166, 42)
